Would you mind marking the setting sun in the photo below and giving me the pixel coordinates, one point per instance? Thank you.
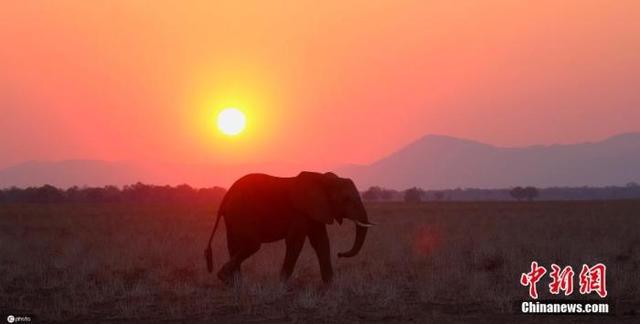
(231, 121)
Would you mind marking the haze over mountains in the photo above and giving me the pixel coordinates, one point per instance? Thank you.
(439, 162)
(432, 162)
(68, 173)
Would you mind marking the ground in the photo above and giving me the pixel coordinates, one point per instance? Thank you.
(424, 262)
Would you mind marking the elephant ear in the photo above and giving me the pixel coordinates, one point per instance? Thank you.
(310, 197)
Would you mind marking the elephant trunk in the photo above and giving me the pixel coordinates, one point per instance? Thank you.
(361, 233)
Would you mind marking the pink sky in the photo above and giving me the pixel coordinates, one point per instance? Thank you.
(321, 84)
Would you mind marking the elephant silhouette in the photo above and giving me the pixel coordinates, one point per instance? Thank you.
(260, 208)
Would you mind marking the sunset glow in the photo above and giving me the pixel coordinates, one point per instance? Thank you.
(354, 82)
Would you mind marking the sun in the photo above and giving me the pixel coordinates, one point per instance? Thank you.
(231, 121)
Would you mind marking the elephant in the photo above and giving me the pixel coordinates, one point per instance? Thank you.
(260, 208)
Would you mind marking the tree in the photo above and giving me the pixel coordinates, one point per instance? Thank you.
(633, 184)
(530, 193)
(517, 193)
(413, 195)
(372, 194)
(47, 194)
(386, 194)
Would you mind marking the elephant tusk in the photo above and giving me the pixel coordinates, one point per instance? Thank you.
(359, 223)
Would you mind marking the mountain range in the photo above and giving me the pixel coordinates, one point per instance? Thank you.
(431, 162)
(439, 162)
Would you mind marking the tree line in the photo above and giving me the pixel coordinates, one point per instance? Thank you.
(519, 193)
(138, 192)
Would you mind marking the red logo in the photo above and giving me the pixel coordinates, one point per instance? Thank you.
(562, 280)
(592, 279)
(531, 279)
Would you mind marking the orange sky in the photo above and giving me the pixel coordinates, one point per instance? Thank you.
(322, 84)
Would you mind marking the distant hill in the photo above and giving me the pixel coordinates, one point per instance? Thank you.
(432, 162)
(438, 162)
(68, 173)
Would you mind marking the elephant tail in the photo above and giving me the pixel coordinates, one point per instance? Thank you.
(208, 254)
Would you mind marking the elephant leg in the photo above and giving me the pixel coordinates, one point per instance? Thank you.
(232, 245)
(244, 254)
(294, 246)
(225, 273)
(320, 243)
(232, 267)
